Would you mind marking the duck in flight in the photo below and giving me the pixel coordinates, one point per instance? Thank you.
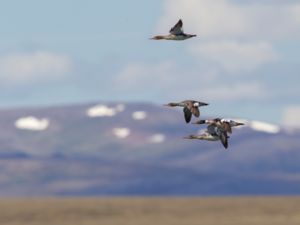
(226, 124)
(208, 137)
(217, 129)
(176, 34)
(190, 107)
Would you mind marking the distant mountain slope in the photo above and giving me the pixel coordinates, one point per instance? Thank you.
(111, 149)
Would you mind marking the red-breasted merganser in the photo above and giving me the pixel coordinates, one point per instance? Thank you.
(176, 34)
(217, 129)
(214, 132)
(190, 107)
(205, 136)
(227, 124)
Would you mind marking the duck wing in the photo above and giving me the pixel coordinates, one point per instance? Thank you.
(187, 114)
(224, 139)
(194, 109)
(227, 127)
(177, 29)
(212, 129)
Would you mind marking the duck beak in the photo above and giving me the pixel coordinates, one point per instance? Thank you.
(240, 124)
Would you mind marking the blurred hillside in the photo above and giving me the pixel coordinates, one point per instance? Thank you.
(137, 149)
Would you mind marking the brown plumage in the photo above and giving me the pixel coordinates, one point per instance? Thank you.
(218, 128)
(226, 126)
(190, 107)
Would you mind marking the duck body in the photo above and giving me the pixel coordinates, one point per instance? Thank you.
(175, 34)
(190, 107)
(204, 136)
(227, 124)
(172, 37)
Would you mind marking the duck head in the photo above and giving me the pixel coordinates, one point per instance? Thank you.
(198, 104)
(191, 35)
(236, 124)
(232, 122)
(200, 122)
(171, 104)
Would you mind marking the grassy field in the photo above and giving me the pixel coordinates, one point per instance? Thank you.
(151, 211)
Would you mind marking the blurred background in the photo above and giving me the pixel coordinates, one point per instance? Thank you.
(82, 88)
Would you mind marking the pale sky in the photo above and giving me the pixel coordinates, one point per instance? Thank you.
(245, 60)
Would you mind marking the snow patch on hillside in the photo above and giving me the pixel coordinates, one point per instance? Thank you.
(120, 107)
(157, 138)
(102, 111)
(139, 115)
(264, 127)
(32, 123)
(122, 132)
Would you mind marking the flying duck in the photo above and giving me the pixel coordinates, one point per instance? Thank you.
(190, 107)
(205, 136)
(217, 129)
(176, 34)
(226, 124)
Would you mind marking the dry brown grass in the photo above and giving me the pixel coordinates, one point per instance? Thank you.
(151, 211)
